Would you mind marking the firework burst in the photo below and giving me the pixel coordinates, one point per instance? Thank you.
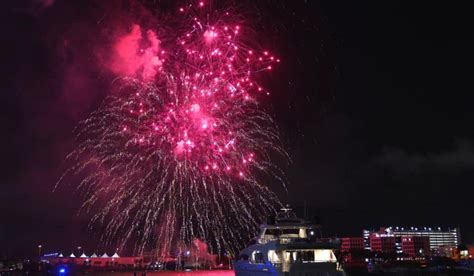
(181, 151)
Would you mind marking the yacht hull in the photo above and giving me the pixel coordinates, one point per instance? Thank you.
(247, 269)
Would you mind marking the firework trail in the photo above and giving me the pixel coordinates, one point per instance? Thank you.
(180, 153)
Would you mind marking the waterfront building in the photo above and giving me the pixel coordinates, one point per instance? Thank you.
(448, 252)
(352, 244)
(467, 252)
(414, 246)
(352, 249)
(439, 238)
(95, 261)
(383, 243)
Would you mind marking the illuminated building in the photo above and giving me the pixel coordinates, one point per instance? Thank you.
(416, 246)
(438, 237)
(352, 249)
(467, 252)
(352, 243)
(384, 243)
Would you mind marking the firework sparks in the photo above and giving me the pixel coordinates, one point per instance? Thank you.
(179, 153)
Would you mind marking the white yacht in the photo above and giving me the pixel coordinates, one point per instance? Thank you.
(289, 246)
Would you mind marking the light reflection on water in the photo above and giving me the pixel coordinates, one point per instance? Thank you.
(173, 273)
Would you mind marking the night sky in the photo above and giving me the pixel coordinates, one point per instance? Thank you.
(373, 101)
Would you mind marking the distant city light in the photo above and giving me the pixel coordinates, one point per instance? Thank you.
(51, 255)
(62, 270)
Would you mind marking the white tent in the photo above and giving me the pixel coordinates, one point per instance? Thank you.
(115, 255)
(72, 255)
(94, 255)
(83, 255)
(105, 255)
(61, 255)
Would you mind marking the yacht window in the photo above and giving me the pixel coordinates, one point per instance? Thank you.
(324, 255)
(305, 256)
(290, 231)
(272, 232)
(279, 232)
(300, 256)
(273, 256)
(257, 257)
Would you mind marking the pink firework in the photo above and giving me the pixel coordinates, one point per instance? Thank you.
(181, 152)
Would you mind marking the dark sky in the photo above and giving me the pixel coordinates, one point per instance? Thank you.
(373, 101)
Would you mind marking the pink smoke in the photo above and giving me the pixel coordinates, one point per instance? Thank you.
(132, 60)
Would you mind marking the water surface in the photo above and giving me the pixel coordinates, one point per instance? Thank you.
(171, 273)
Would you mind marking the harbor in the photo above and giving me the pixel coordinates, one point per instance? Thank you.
(285, 245)
(243, 138)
